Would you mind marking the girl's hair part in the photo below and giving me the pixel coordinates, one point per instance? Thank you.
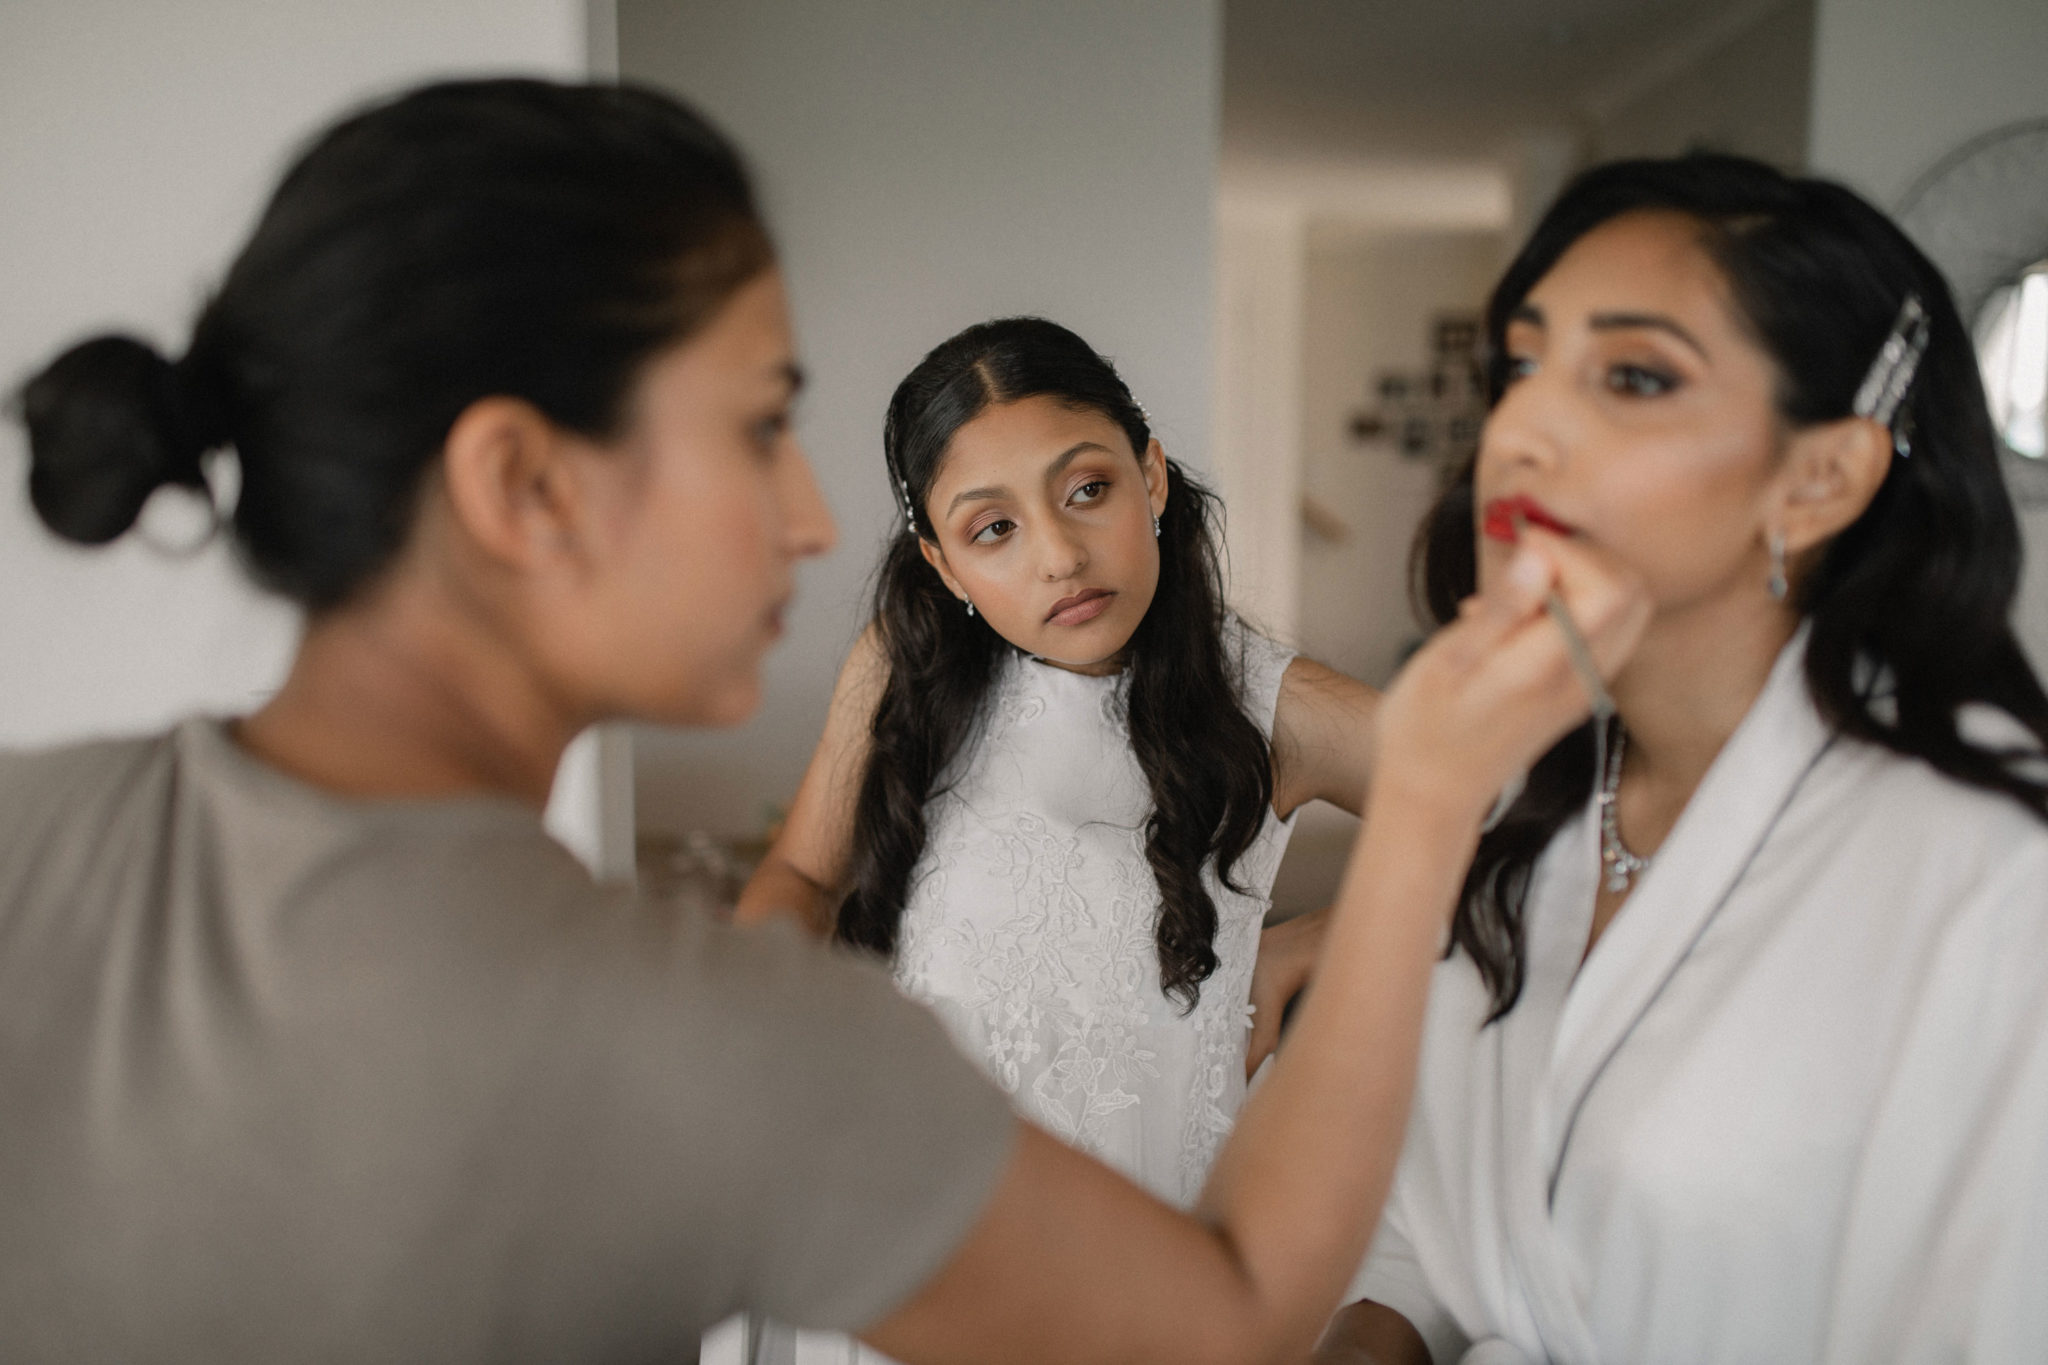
(468, 239)
(1909, 607)
(1209, 799)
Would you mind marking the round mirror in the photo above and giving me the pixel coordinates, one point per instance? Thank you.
(1982, 214)
(2012, 351)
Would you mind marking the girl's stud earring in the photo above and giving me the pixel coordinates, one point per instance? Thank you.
(1776, 585)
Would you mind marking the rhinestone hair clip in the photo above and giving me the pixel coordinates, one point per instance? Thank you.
(1891, 373)
(909, 507)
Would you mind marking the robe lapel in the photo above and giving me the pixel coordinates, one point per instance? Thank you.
(1561, 902)
(1571, 1019)
(1691, 877)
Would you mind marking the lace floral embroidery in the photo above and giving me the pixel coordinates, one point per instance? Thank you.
(1030, 932)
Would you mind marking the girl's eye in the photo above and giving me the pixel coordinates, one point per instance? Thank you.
(991, 533)
(1640, 381)
(1520, 367)
(1090, 491)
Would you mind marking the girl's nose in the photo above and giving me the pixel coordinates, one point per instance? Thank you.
(1061, 555)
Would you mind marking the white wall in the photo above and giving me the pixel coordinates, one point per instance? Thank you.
(1743, 86)
(1900, 83)
(1267, 211)
(928, 165)
(1372, 296)
(136, 144)
(1260, 291)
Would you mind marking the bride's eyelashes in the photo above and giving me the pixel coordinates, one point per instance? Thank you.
(1640, 381)
(1630, 379)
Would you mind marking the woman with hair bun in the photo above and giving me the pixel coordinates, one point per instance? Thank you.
(1741, 1051)
(315, 1047)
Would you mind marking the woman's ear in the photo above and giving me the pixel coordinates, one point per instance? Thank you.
(936, 557)
(1153, 462)
(1830, 474)
(505, 472)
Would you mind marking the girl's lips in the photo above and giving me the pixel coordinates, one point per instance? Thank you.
(1082, 607)
(1503, 513)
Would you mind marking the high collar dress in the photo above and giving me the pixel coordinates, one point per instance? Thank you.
(1792, 1107)
(1030, 932)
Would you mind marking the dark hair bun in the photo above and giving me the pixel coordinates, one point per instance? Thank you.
(106, 429)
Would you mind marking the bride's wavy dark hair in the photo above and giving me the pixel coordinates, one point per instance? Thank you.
(1209, 798)
(1921, 585)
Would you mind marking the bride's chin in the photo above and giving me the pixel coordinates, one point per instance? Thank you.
(732, 704)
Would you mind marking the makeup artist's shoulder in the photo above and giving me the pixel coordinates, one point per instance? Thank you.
(53, 783)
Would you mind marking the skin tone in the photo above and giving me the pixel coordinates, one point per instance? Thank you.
(551, 581)
(1042, 514)
(1643, 416)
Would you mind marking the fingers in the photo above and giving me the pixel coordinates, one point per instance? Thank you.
(1606, 598)
(1519, 656)
(1494, 689)
(1603, 597)
(1509, 602)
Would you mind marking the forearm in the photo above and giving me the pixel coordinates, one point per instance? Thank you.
(1299, 1186)
(777, 888)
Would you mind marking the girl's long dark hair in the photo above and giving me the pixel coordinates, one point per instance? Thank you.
(1914, 598)
(1209, 798)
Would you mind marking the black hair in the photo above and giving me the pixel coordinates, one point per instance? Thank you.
(1209, 799)
(467, 239)
(1915, 597)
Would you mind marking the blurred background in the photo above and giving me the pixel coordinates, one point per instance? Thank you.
(1279, 216)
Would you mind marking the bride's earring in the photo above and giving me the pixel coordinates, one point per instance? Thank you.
(970, 606)
(1155, 528)
(1776, 585)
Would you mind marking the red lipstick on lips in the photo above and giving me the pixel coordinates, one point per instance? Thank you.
(1082, 607)
(1503, 513)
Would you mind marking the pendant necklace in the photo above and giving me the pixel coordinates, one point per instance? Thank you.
(1620, 864)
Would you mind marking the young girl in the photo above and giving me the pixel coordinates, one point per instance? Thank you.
(1069, 773)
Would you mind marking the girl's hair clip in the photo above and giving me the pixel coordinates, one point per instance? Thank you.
(1891, 373)
(909, 507)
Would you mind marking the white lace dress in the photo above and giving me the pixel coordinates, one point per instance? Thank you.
(1030, 932)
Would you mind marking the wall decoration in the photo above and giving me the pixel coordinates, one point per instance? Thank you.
(1434, 415)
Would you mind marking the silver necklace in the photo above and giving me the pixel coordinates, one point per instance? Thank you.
(1621, 864)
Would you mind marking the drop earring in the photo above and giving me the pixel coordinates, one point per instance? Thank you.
(1776, 585)
(970, 606)
(1155, 528)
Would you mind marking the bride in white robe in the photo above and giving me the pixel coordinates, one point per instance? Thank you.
(1743, 1132)
(1782, 1093)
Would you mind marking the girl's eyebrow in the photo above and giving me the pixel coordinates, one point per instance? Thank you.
(1053, 470)
(991, 492)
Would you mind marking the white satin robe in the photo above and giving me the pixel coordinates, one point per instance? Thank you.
(1793, 1106)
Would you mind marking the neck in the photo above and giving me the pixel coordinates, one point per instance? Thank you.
(1690, 683)
(406, 695)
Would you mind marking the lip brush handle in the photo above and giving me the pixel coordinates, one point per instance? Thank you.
(1575, 648)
